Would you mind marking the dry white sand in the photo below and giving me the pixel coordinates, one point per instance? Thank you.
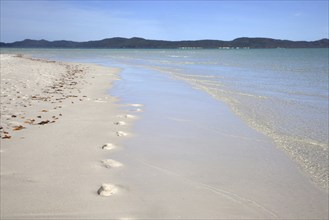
(58, 131)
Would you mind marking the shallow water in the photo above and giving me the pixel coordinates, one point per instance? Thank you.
(197, 159)
(282, 93)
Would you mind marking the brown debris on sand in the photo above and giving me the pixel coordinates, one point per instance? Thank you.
(6, 136)
(44, 89)
(44, 122)
(18, 127)
(29, 121)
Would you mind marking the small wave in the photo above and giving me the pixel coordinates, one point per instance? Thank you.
(311, 155)
(177, 56)
(194, 75)
(303, 141)
(205, 84)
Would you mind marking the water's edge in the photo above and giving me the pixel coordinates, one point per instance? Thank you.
(221, 74)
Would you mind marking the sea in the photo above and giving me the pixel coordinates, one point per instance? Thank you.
(281, 93)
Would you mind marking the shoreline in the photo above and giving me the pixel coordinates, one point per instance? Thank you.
(309, 166)
(189, 156)
(200, 150)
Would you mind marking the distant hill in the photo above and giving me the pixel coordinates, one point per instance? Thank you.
(135, 42)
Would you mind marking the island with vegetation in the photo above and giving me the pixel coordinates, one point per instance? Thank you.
(142, 43)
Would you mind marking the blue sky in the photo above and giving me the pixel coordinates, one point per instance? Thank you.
(166, 20)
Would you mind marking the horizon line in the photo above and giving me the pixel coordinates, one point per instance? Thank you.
(164, 40)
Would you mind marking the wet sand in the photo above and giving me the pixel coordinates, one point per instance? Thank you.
(164, 151)
(200, 161)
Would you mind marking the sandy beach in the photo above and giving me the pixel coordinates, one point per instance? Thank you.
(69, 150)
(58, 127)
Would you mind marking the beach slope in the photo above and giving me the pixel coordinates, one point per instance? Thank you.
(58, 130)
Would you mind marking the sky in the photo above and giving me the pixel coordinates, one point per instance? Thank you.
(163, 20)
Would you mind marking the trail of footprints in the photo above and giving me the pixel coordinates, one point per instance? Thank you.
(108, 189)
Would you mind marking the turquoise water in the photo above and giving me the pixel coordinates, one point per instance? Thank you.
(282, 93)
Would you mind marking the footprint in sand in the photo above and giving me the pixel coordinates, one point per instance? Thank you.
(136, 105)
(136, 110)
(108, 146)
(107, 190)
(121, 133)
(127, 116)
(100, 101)
(120, 123)
(108, 163)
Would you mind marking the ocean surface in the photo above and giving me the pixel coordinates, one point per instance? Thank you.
(282, 93)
